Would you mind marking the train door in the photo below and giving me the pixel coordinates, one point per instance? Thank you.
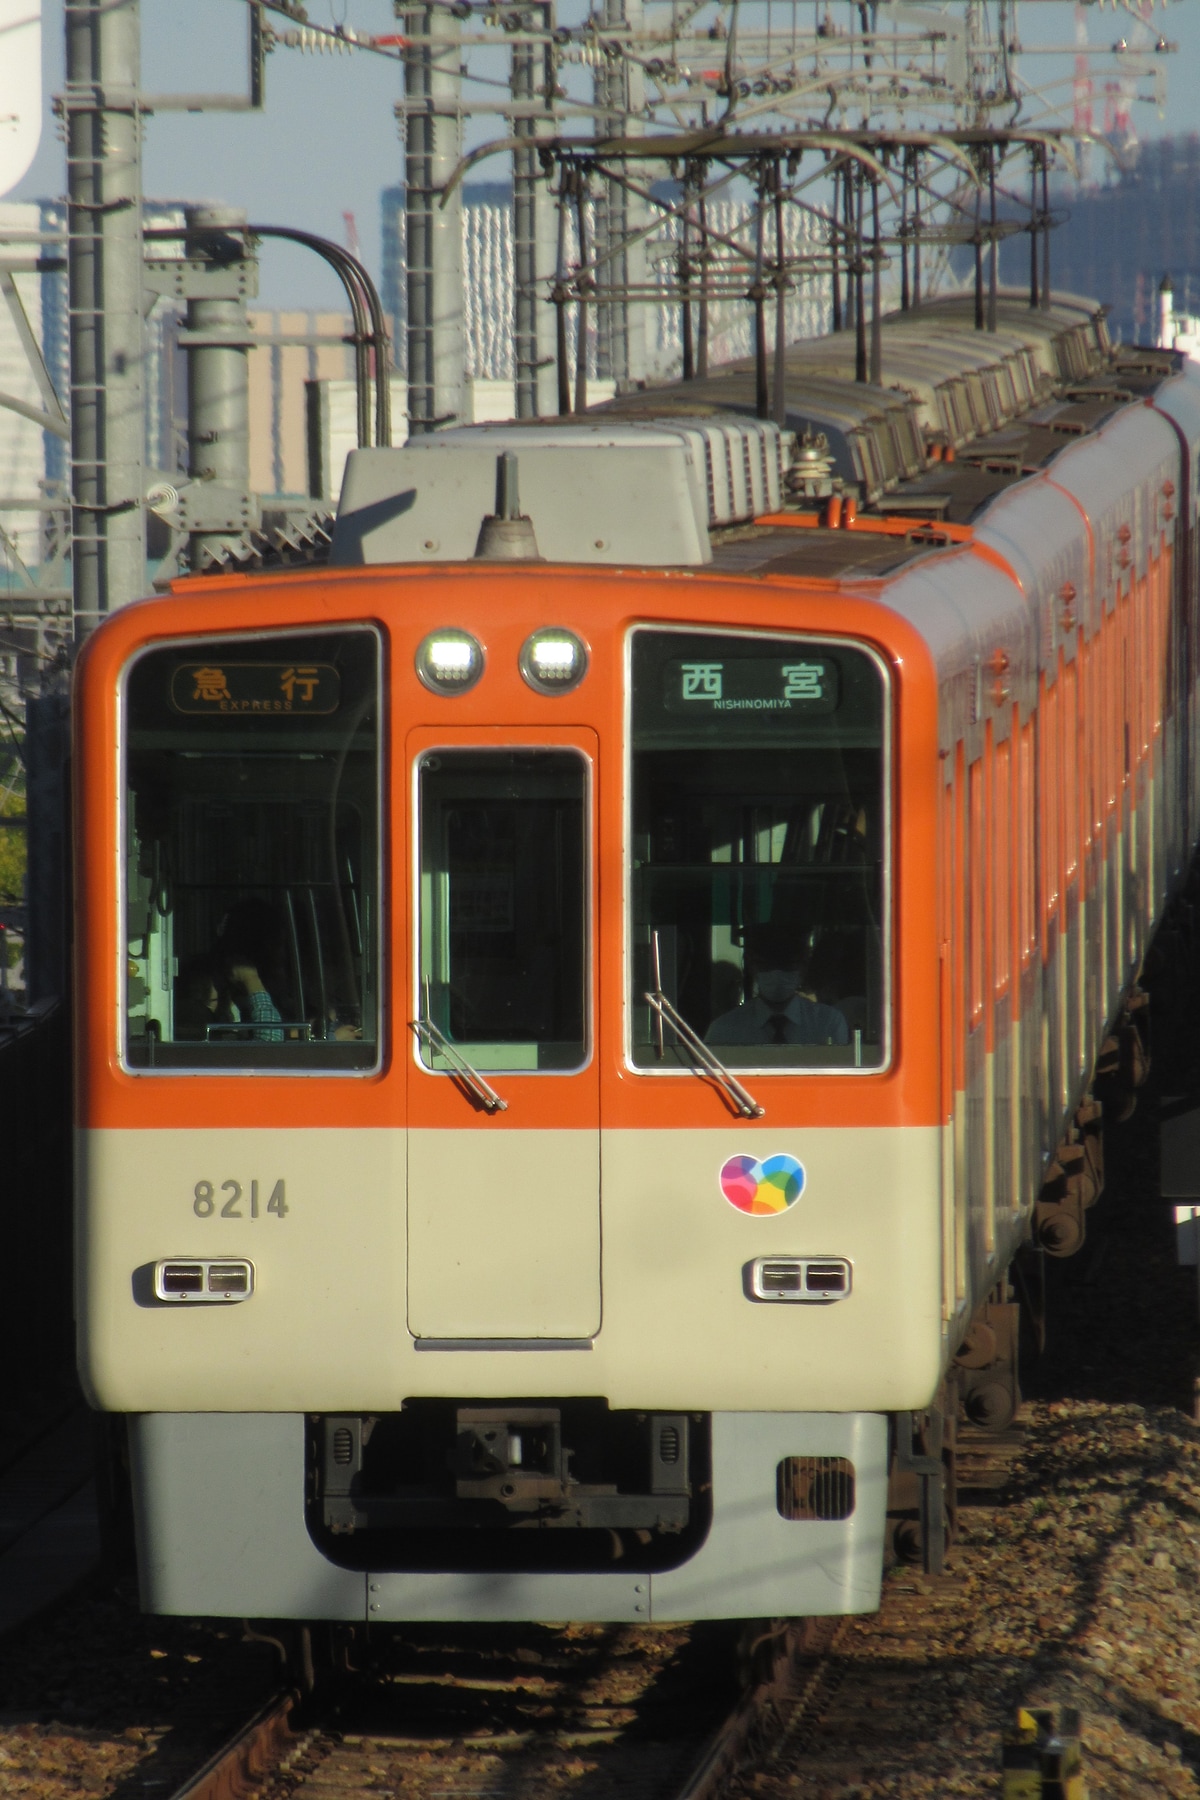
(503, 1081)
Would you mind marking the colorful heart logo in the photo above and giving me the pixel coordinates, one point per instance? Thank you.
(765, 1187)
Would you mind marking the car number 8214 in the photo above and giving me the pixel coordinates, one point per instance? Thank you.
(231, 1200)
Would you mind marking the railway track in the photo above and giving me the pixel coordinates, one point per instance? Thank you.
(526, 1711)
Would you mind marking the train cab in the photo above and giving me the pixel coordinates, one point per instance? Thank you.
(495, 1103)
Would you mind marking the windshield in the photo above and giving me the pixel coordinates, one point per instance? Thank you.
(503, 906)
(251, 868)
(759, 829)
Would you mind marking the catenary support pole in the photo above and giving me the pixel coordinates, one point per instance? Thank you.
(916, 230)
(876, 289)
(104, 260)
(1046, 228)
(217, 345)
(994, 242)
(835, 229)
(620, 215)
(533, 80)
(905, 292)
(108, 561)
(434, 238)
(1033, 231)
(782, 285)
(703, 329)
(860, 265)
(977, 243)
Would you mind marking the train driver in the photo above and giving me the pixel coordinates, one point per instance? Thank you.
(779, 1011)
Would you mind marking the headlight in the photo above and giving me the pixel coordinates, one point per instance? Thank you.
(553, 661)
(450, 662)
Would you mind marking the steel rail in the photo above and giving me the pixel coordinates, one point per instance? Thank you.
(254, 1753)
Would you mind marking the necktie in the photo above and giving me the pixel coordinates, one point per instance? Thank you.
(777, 1025)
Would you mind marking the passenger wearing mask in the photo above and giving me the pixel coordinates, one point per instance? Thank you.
(779, 1011)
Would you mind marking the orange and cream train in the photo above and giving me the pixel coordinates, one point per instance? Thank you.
(580, 995)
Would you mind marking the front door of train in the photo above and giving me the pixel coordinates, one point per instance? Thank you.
(503, 1084)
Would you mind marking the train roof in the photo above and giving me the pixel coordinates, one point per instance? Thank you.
(959, 415)
(949, 382)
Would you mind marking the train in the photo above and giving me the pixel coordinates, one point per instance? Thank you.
(582, 995)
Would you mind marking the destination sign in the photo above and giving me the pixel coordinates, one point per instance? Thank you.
(748, 684)
(274, 689)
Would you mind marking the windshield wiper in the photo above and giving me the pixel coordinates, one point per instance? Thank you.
(745, 1103)
(471, 1079)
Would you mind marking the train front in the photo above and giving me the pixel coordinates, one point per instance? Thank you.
(506, 1190)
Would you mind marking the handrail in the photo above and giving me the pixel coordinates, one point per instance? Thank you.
(745, 1102)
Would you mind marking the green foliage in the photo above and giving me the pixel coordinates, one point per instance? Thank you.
(12, 841)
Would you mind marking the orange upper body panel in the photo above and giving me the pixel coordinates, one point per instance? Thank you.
(501, 607)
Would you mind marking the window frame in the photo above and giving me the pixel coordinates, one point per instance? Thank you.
(277, 634)
(762, 634)
(589, 759)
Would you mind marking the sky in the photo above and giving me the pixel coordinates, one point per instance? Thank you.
(328, 141)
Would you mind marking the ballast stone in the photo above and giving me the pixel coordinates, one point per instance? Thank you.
(596, 492)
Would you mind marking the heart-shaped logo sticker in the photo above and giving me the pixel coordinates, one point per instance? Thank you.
(762, 1188)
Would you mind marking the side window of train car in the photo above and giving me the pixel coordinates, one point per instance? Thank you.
(252, 894)
(503, 908)
(758, 896)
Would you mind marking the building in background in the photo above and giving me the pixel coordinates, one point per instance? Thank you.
(1116, 242)
(23, 449)
(1177, 329)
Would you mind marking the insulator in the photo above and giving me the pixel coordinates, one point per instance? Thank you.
(324, 42)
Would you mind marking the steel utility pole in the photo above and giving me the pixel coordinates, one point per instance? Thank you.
(434, 241)
(620, 215)
(218, 505)
(108, 555)
(534, 247)
(104, 257)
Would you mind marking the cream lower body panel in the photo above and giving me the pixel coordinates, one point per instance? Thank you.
(326, 1328)
(503, 1234)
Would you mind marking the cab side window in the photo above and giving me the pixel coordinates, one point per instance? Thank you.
(758, 904)
(251, 853)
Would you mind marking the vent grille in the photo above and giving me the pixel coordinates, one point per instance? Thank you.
(814, 1487)
(343, 1445)
(668, 1444)
(827, 1278)
(203, 1279)
(183, 1278)
(812, 1280)
(229, 1278)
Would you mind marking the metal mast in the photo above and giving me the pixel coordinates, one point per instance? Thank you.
(104, 252)
(620, 215)
(434, 243)
(218, 505)
(533, 84)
